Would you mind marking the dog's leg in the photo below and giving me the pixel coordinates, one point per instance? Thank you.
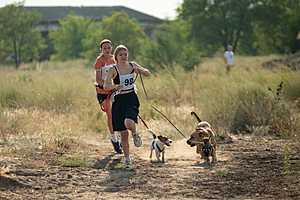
(163, 156)
(202, 156)
(206, 159)
(151, 153)
(214, 156)
(199, 150)
(157, 153)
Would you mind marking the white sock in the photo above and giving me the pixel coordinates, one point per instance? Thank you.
(114, 137)
(127, 158)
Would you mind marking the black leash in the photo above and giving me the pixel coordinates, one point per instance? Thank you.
(144, 87)
(196, 116)
(149, 130)
(156, 110)
(143, 122)
(168, 120)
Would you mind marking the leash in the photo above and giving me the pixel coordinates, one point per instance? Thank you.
(143, 122)
(196, 116)
(145, 92)
(168, 121)
(149, 130)
(144, 86)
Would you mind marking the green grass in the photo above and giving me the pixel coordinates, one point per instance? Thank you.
(73, 161)
(222, 173)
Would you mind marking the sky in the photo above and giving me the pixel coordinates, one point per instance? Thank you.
(158, 8)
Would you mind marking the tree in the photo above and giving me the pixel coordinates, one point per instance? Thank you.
(218, 23)
(18, 37)
(277, 26)
(122, 30)
(68, 39)
(172, 46)
(91, 42)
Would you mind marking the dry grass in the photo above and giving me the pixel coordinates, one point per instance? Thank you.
(56, 101)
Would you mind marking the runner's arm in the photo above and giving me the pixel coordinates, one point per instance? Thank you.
(141, 70)
(98, 64)
(108, 80)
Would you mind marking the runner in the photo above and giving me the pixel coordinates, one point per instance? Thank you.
(103, 62)
(125, 107)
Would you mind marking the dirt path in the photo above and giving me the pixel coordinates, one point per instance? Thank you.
(247, 169)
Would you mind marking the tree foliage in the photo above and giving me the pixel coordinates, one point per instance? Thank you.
(218, 23)
(171, 46)
(68, 39)
(277, 26)
(90, 43)
(78, 37)
(252, 26)
(122, 30)
(19, 39)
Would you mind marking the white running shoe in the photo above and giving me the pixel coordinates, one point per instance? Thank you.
(137, 140)
(128, 163)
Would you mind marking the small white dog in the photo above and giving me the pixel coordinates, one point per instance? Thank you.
(158, 145)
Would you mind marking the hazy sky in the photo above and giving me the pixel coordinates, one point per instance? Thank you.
(159, 8)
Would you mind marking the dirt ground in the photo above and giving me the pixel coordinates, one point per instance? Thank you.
(247, 168)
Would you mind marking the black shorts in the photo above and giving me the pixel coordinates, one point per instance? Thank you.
(101, 98)
(124, 106)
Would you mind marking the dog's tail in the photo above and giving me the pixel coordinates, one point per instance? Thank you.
(196, 116)
(153, 134)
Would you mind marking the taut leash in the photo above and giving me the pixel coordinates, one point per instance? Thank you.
(168, 121)
(144, 86)
(196, 116)
(143, 122)
(156, 110)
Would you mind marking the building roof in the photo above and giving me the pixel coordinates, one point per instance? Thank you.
(55, 13)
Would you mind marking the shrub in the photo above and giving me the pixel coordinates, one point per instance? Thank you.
(258, 107)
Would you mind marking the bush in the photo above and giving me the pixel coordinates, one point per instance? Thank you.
(258, 107)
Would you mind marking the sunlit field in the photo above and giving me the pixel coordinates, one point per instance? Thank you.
(53, 101)
(52, 132)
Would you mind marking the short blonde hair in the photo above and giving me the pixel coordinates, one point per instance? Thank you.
(118, 49)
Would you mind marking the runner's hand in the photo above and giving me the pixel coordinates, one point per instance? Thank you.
(117, 87)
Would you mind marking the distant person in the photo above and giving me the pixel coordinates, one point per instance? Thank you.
(102, 64)
(229, 58)
(125, 106)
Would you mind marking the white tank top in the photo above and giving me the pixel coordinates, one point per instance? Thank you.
(127, 81)
(104, 70)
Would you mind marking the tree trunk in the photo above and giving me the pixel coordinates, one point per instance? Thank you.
(16, 54)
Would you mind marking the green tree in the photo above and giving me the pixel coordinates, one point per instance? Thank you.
(68, 39)
(277, 26)
(218, 23)
(91, 48)
(18, 37)
(122, 30)
(172, 46)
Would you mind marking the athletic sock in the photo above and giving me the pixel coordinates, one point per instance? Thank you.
(114, 138)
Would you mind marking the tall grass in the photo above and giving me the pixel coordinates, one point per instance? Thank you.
(63, 94)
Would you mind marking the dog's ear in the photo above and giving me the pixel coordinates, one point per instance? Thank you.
(202, 131)
(160, 137)
(210, 131)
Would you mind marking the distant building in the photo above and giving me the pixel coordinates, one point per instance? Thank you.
(51, 15)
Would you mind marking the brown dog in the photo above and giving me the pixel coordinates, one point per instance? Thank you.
(205, 140)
